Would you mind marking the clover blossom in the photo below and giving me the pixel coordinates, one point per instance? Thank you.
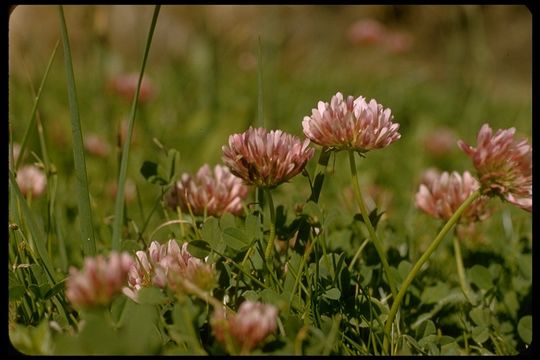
(503, 164)
(266, 158)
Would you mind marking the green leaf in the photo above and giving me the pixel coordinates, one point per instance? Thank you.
(450, 349)
(251, 295)
(172, 156)
(525, 329)
(427, 341)
(151, 296)
(32, 340)
(211, 233)
(226, 221)
(269, 296)
(366, 273)
(480, 316)
(55, 289)
(481, 277)
(199, 248)
(404, 268)
(293, 266)
(149, 169)
(425, 329)
(480, 334)
(434, 294)
(525, 265)
(139, 334)
(253, 227)
(117, 307)
(511, 302)
(236, 238)
(332, 294)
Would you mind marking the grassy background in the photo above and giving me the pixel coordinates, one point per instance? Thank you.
(467, 65)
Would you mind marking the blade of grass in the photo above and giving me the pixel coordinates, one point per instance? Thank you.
(259, 194)
(34, 108)
(119, 205)
(50, 171)
(38, 235)
(85, 211)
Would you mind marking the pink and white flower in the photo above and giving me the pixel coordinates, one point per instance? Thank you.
(440, 195)
(208, 192)
(163, 264)
(266, 158)
(99, 281)
(96, 145)
(253, 323)
(351, 124)
(504, 165)
(31, 180)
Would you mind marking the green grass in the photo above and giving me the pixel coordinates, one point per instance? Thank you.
(458, 75)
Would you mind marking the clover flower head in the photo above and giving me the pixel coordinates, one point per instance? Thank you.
(503, 164)
(96, 145)
(253, 323)
(100, 280)
(366, 32)
(209, 192)
(266, 158)
(183, 265)
(162, 265)
(351, 123)
(31, 180)
(441, 194)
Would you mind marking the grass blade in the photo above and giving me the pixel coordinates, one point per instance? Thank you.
(38, 234)
(259, 193)
(34, 108)
(119, 205)
(85, 211)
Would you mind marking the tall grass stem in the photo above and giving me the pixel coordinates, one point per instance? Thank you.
(119, 204)
(35, 106)
(83, 194)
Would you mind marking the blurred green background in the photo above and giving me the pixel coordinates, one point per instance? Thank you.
(448, 70)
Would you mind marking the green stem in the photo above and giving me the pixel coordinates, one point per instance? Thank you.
(300, 270)
(192, 333)
(461, 272)
(416, 268)
(119, 204)
(367, 221)
(270, 246)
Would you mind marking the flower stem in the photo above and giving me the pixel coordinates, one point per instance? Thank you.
(320, 170)
(367, 221)
(461, 272)
(425, 256)
(270, 246)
